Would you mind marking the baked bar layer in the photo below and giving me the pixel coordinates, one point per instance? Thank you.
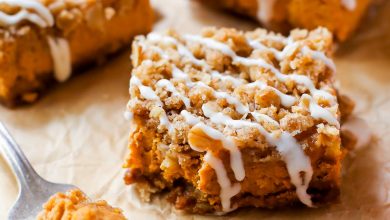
(340, 16)
(230, 119)
(75, 205)
(43, 40)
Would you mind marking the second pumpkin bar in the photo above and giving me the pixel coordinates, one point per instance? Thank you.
(42, 41)
(341, 17)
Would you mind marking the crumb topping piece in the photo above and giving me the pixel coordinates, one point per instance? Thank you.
(226, 81)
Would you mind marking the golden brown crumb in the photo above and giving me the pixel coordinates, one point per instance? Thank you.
(75, 205)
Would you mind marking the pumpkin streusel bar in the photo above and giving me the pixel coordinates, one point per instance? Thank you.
(43, 40)
(230, 119)
(341, 17)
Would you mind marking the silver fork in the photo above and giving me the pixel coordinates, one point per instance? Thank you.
(34, 190)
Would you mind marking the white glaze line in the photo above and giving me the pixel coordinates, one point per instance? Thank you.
(128, 115)
(290, 48)
(189, 118)
(62, 63)
(177, 73)
(265, 10)
(317, 55)
(360, 129)
(148, 93)
(164, 83)
(291, 151)
(42, 18)
(297, 161)
(228, 190)
(228, 143)
(8, 20)
(259, 117)
(318, 112)
(300, 79)
(349, 4)
(286, 100)
(235, 81)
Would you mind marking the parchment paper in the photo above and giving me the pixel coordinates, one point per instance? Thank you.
(77, 134)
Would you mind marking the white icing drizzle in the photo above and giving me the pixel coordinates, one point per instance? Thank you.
(149, 94)
(189, 118)
(56, 5)
(181, 49)
(349, 4)
(37, 13)
(308, 83)
(146, 92)
(228, 190)
(240, 108)
(228, 143)
(360, 129)
(320, 56)
(128, 115)
(170, 87)
(21, 15)
(297, 162)
(319, 112)
(288, 147)
(235, 81)
(59, 4)
(42, 16)
(290, 48)
(62, 63)
(265, 118)
(286, 100)
(265, 10)
(178, 74)
(300, 79)
(109, 13)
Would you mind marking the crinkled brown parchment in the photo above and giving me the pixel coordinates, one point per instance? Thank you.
(77, 134)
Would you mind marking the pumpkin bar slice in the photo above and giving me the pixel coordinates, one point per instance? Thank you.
(43, 40)
(341, 17)
(230, 119)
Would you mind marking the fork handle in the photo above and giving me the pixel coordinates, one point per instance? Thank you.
(18, 161)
